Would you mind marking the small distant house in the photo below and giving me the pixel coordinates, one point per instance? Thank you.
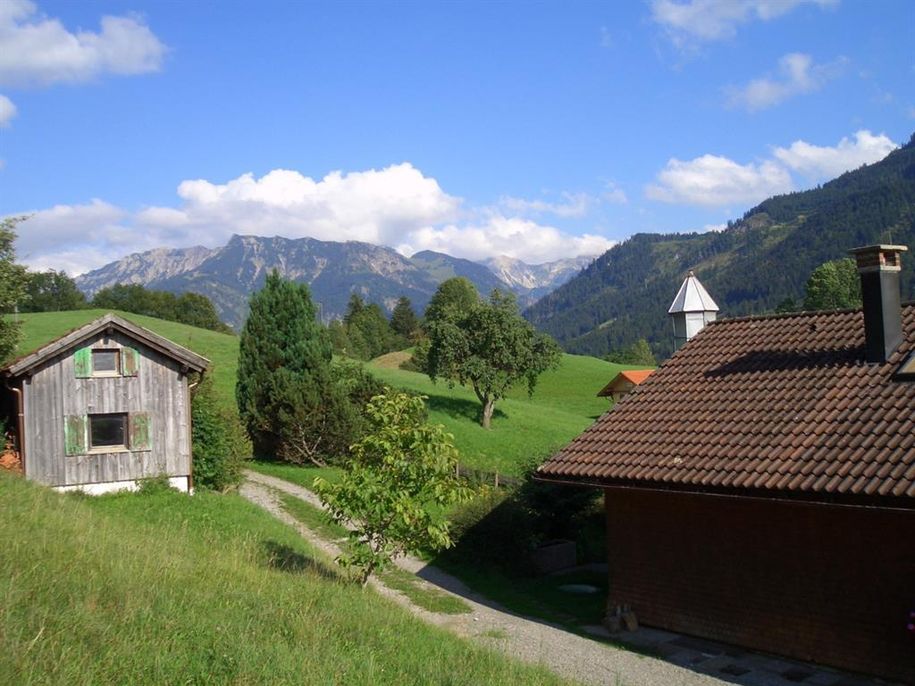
(104, 406)
(760, 485)
(623, 382)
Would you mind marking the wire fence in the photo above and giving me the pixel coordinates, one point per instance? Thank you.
(478, 477)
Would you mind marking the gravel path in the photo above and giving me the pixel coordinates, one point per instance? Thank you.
(566, 654)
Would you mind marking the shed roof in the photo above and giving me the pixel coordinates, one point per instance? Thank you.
(780, 406)
(633, 376)
(73, 338)
(692, 297)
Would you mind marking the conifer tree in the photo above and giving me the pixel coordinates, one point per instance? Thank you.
(284, 359)
(403, 318)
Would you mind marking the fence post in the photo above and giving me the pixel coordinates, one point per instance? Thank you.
(497, 479)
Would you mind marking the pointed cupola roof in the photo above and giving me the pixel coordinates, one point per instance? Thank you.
(692, 297)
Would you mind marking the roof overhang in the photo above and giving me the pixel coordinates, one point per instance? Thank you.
(799, 497)
(109, 322)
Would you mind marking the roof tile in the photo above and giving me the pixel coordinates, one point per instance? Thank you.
(785, 404)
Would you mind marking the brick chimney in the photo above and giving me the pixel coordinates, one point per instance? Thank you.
(879, 267)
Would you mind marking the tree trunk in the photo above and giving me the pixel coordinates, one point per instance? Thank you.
(488, 407)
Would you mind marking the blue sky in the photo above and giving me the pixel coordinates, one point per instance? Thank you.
(537, 130)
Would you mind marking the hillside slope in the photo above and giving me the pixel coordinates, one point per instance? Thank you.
(524, 429)
(748, 268)
(167, 589)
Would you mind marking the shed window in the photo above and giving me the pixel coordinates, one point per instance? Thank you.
(105, 363)
(108, 430)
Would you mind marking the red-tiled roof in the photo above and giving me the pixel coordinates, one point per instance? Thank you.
(778, 406)
(633, 376)
(636, 376)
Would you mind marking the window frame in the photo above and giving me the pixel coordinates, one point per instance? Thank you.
(117, 371)
(111, 448)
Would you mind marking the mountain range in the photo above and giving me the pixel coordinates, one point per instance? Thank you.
(229, 274)
(756, 264)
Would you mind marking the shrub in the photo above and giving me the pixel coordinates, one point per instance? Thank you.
(217, 440)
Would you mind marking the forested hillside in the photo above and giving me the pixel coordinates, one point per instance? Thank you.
(749, 268)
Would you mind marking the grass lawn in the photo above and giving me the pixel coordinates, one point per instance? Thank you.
(221, 349)
(430, 599)
(166, 588)
(524, 429)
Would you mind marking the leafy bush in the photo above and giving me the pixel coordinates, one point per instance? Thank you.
(217, 440)
(394, 490)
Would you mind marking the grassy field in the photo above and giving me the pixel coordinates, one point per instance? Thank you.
(420, 594)
(221, 349)
(523, 429)
(163, 588)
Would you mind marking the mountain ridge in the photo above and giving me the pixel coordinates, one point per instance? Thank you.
(333, 269)
(751, 267)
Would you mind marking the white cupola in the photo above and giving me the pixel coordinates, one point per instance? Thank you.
(691, 310)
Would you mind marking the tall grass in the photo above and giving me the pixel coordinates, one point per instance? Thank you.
(165, 588)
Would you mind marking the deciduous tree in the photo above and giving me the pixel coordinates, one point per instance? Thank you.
(401, 472)
(12, 286)
(833, 285)
(490, 347)
(51, 291)
(453, 298)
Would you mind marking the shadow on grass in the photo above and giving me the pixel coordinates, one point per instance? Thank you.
(459, 408)
(286, 559)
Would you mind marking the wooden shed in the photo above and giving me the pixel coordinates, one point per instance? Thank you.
(104, 406)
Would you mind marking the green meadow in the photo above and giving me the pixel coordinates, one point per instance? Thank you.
(524, 429)
(163, 588)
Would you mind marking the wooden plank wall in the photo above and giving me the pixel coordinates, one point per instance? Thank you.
(53, 392)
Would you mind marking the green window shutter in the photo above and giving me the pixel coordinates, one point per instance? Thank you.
(130, 361)
(82, 363)
(75, 440)
(140, 431)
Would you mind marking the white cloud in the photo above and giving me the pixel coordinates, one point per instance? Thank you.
(614, 194)
(7, 111)
(571, 205)
(711, 20)
(824, 162)
(396, 206)
(500, 235)
(712, 180)
(74, 237)
(797, 75)
(36, 50)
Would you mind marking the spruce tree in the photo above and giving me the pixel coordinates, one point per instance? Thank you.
(284, 358)
(403, 318)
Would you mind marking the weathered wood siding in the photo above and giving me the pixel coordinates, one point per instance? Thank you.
(54, 392)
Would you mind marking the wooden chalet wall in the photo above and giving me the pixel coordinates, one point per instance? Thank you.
(820, 583)
(55, 392)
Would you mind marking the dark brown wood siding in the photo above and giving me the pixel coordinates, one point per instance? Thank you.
(155, 397)
(826, 584)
